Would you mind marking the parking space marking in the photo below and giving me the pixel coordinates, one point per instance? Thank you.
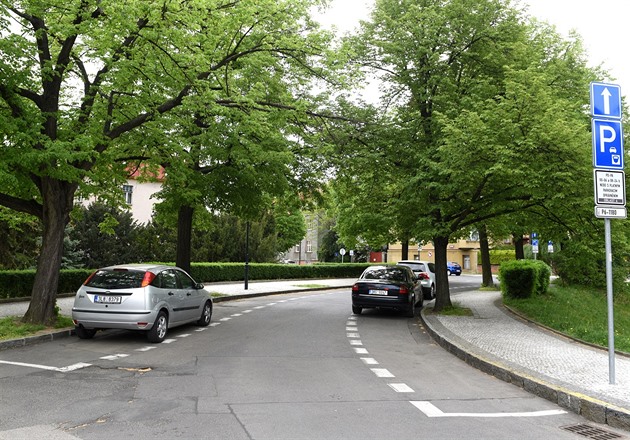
(351, 329)
(224, 319)
(168, 341)
(214, 324)
(370, 361)
(353, 335)
(360, 350)
(431, 410)
(184, 335)
(237, 314)
(113, 357)
(74, 367)
(147, 348)
(47, 367)
(356, 342)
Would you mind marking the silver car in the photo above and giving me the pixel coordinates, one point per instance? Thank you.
(425, 271)
(147, 297)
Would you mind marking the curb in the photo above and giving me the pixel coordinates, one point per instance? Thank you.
(588, 407)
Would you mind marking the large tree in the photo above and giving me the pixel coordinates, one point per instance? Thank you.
(85, 84)
(488, 111)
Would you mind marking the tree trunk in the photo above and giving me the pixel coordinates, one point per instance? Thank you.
(57, 202)
(442, 294)
(486, 266)
(405, 250)
(519, 246)
(184, 236)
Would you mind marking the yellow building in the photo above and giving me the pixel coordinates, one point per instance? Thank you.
(463, 251)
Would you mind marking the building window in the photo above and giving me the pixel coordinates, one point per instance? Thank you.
(297, 248)
(127, 191)
(309, 246)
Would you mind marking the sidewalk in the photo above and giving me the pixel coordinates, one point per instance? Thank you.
(571, 374)
(559, 369)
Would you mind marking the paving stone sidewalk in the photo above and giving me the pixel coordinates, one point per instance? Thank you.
(572, 374)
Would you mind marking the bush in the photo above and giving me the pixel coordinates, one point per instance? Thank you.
(524, 278)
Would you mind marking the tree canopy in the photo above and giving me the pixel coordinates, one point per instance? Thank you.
(87, 86)
(485, 116)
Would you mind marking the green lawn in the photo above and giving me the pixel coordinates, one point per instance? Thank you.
(12, 328)
(578, 312)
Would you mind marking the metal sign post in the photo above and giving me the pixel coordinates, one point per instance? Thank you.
(610, 182)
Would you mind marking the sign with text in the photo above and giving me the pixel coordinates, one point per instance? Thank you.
(607, 144)
(610, 212)
(610, 187)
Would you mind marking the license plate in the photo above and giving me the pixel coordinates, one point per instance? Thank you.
(377, 292)
(102, 299)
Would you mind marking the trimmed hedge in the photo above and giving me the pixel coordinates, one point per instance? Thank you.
(19, 283)
(524, 278)
(499, 256)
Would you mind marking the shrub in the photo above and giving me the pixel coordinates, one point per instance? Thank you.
(524, 278)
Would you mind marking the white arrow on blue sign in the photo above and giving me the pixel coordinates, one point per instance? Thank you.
(605, 100)
(607, 144)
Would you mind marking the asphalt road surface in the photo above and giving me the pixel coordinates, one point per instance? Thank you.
(294, 366)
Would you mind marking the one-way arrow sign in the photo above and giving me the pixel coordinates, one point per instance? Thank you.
(605, 100)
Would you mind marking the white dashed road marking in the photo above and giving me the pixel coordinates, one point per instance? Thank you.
(382, 372)
(401, 388)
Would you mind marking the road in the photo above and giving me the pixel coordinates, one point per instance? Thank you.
(294, 366)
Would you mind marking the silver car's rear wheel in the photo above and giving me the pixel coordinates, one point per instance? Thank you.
(158, 331)
(84, 333)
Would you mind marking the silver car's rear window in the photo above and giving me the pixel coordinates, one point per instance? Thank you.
(116, 279)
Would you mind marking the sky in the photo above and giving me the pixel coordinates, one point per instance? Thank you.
(601, 24)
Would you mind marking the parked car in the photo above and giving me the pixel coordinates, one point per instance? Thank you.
(145, 297)
(425, 271)
(453, 268)
(394, 287)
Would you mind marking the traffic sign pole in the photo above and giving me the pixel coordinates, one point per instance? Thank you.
(610, 182)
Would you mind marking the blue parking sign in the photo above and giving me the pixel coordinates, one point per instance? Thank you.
(607, 144)
(605, 100)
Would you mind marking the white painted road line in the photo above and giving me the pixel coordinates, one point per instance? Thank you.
(113, 357)
(356, 342)
(47, 367)
(358, 350)
(369, 361)
(401, 388)
(431, 410)
(168, 341)
(353, 335)
(147, 348)
(382, 372)
(352, 329)
(73, 367)
(214, 324)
